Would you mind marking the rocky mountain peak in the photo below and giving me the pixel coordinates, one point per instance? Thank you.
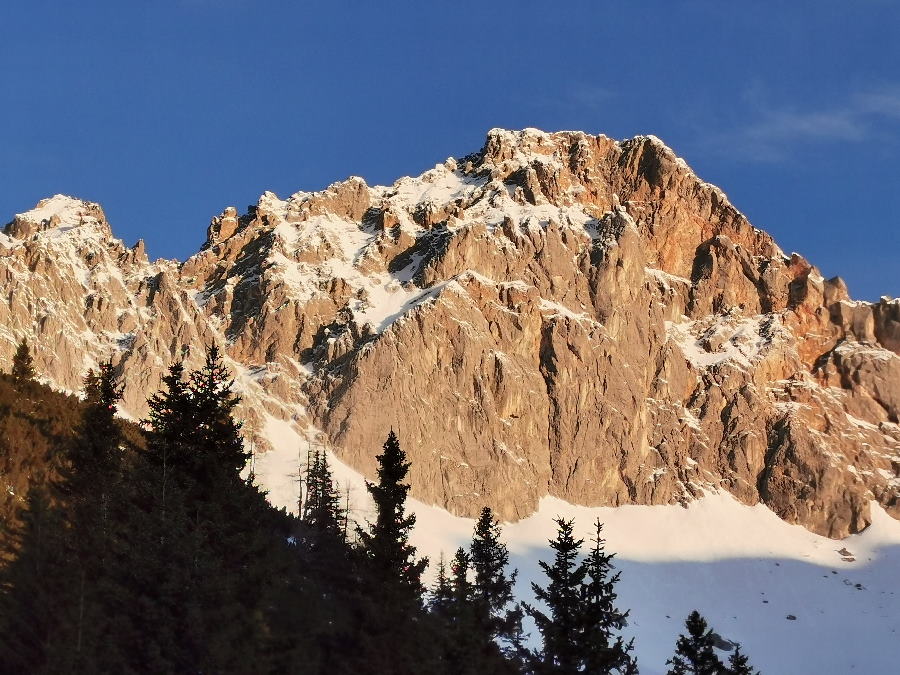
(60, 214)
(557, 313)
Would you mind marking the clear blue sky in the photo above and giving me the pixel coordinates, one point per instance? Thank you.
(167, 111)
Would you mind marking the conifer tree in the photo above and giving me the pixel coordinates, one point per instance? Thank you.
(96, 456)
(739, 664)
(498, 619)
(161, 505)
(605, 652)
(493, 587)
(385, 544)
(211, 530)
(75, 542)
(92, 494)
(23, 364)
(393, 633)
(462, 654)
(323, 512)
(694, 652)
(441, 595)
(218, 452)
(561, 628)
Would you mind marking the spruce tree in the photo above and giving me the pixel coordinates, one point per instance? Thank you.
(211, 533)
(441, 595)
(393, 633)
(92, 494)
(694, 652)
(498, 619)
(560, 629)
(605, 652)
(73, 541)
(385, 544)
(323, 512)
(162, 483)
(493, 586)
(462, 653)
(23, 364)
(217, 447)
(739, 664)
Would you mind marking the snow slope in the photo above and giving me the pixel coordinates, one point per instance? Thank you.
(742, 567)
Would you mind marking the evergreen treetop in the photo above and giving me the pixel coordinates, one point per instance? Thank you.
(23, 364)
(323, 511)
(385, 543)
(561, 628)
(739, 664)
(490, 558)
(694, 652)
(605, 652)
(498, 619)
(441, 595)
(216, 436)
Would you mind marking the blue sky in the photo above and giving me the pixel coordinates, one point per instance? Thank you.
(167, 111)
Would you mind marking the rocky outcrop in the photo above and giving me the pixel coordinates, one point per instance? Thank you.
(556, 314)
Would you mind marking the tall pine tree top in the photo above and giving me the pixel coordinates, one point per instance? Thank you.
(490, 557)
(739, 664)
(323, 511)
(386, 542)
(560, 630)
(605, 652)
(216, 437)
(23, 364)
(694, 652)
(493, 586)
(95, 455)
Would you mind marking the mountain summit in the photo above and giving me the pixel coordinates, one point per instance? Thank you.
(557, 314)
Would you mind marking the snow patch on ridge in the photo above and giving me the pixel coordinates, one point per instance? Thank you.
(69, 210)
(727, 338)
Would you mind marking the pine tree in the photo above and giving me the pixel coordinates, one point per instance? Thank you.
(497, 618)
(441, 595)
(385, 544)
(461, 632)
(694, 653)
(92, 494)
(323, 511)
(96, 455)
(393, 632)
(217, 448)
(739, 664)
(493, 587)
(207, 534)
(165, 560)
(561, 629)
(605, 652)
(23, 364)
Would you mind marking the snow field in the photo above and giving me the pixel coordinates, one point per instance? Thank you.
(742, 567)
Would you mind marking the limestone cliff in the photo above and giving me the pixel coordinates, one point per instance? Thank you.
(557, 313)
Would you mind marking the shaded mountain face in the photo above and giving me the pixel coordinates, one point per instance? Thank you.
(557, 313)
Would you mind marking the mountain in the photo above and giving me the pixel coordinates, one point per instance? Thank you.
(557, 314)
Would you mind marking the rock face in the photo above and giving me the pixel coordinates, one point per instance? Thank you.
(557, 313)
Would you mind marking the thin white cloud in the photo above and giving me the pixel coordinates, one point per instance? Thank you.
(589, 96)
(576, 97)
(774, 131)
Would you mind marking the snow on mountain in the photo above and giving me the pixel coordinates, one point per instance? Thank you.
(742, 567)
(556, 319)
